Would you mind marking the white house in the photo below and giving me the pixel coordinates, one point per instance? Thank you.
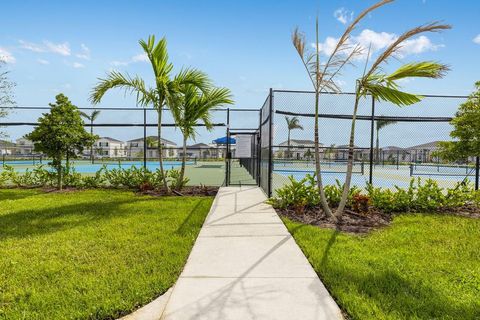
(200, 151)
(24, 146)
(135, 148)
(108, 147)
(6, 147)
(423, 152)
(298, 149)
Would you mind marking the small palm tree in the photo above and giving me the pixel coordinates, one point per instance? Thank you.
(385, 87)
(292, 124)
(323, 76)
(91, 117)
(165, 92)
(194, 107)
(379, 125)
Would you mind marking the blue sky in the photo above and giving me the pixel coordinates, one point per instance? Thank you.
(64, 46)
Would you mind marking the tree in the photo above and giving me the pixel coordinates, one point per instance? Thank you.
(60, 134)
(6, 93)
(162, 95)
(194, 107)
(385, 87)
(323, 76)
(466, 130)
(379, 125)
(292, 124)
(91, 117)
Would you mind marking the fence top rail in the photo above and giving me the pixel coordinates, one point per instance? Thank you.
(353, 93)
(125, 108)
(12, 124)
(347, 116)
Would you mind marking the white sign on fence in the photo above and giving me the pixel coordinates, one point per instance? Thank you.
(244, 146)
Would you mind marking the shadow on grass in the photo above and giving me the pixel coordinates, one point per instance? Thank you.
(190, 219)
(399, 298)
(32, 222)
(14, 194)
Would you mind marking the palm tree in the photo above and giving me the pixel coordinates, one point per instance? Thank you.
(91, 117)
(323, 76)
(292, 124)
(165, 91)
(379, 125)
(195, 107)
(385, 87)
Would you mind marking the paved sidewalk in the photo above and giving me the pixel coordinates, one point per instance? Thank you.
(245, 265)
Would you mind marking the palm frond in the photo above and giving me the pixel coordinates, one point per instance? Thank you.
(115, 79)
(397, 44)
(380, 124)
(395, 96)
(424, 69)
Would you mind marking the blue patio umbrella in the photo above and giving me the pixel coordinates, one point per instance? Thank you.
(223, 140)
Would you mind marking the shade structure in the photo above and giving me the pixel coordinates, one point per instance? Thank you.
(223, 140)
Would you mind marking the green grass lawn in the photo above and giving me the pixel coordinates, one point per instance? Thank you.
(420, 267)
(91, 254)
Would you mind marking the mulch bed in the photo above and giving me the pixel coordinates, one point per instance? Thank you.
(350, 221)
(196, 191)
(361, 223)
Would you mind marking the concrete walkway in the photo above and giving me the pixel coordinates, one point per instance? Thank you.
(245, 265)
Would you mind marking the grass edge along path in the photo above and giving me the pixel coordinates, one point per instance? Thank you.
(423, 266)
(94, 254)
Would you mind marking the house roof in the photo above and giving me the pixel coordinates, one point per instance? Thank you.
(5, 143)
(345, 146)
(165, 141)
(427, 145)
(111, 139)
(199, 145)
(388, 148)
(294, 142)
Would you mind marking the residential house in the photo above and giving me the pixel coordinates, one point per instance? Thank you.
(423, 152)
(7, 147)
(135, 148)
(299, 149)
(341, 153)
(24, 146)
(106, 147)
(199, 151)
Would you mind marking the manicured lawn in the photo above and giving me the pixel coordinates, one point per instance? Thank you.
(421, 267)
(91, 254)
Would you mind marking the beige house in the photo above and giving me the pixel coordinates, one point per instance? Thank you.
(135, 148)
(24, 146)
(106, 147)
(299, 149)
(7, 147)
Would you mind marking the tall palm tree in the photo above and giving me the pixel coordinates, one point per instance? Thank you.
(195, 107)
(379, 125)
(322, 77)
(162, 95)
(292, 124)
(91, 117)
(385, 87)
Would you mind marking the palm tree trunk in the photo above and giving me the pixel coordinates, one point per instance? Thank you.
(318, 172)
(348, 178)
(160, 149)
(288, 144)
(184, 160)
(91, 147)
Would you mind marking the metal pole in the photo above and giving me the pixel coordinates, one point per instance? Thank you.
(477, 172)
(227, 153)
(259, 147)
(372, 129)
(144, 138)
(270, 149)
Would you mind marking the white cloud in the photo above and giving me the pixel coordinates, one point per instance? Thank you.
(42, 61)
(60, 48)
(142, 57)
(78, 65)
(477, 39)
(377, 41)
(7, 56)
(85, 52)
(31, 46)
(119, 63)
(343, 15)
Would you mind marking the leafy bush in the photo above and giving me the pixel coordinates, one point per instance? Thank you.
(418, 196)
(176, 181)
